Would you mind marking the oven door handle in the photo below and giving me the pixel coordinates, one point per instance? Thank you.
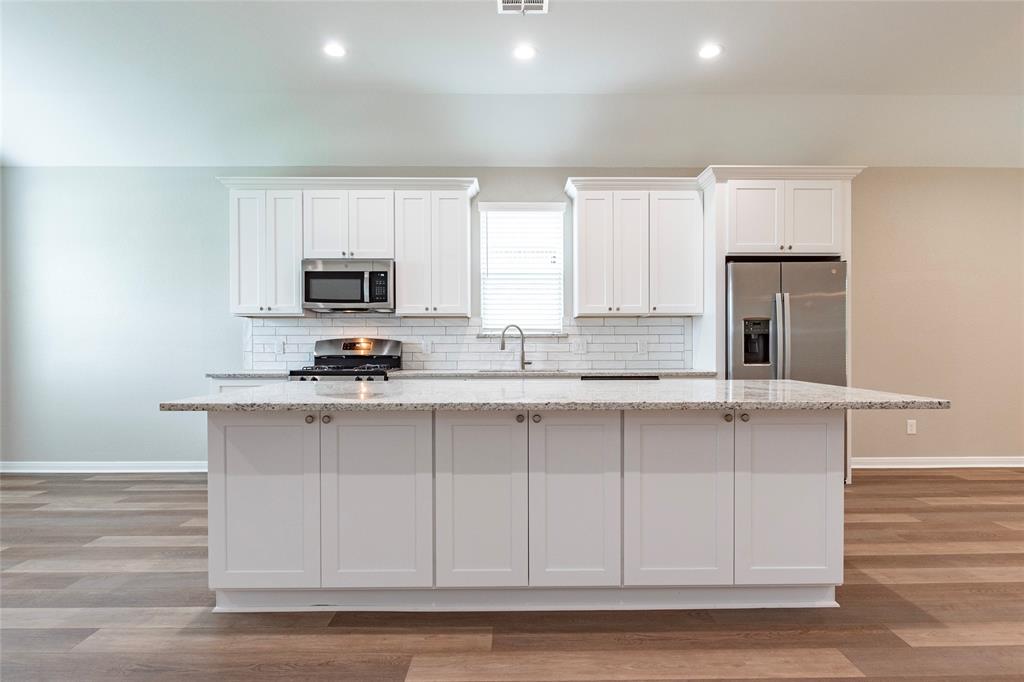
(366, 286)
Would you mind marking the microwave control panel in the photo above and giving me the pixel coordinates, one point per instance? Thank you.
(378, 287)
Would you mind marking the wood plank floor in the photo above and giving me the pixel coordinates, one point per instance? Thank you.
(103, 577)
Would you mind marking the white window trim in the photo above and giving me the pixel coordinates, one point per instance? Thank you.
(549, 207)
(541, 206)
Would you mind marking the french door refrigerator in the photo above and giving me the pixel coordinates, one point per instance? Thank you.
(787, 320)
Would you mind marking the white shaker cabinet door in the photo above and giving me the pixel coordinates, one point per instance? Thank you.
(632, 253)
(450, 266)
(371, 224)
(481, 499)
(593, 248)
(677, 253)
(247, 243)
(377, 492)
(283, 271)
(575, 484)
(678, 498)
(412, 252)
(814, 216)
(264, 497)
(325, 218)
(789, 498)
(756, 210)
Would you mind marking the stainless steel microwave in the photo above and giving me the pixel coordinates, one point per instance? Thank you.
(348, 285)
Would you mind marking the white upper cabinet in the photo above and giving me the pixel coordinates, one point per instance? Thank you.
(432, 264)
(803, 210)
(450, 262)
(325, 223)
(631, 252)
(265, 252)
(371, 224)
(284, 252)
(637, 251)
(412, 252)
(593, 248)
(677, 253)
(814, 217)
(756, 216)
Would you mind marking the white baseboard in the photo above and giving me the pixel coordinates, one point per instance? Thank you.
(935, 462)
(41, 467)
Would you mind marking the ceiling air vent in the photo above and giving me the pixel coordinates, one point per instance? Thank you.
(522, 6)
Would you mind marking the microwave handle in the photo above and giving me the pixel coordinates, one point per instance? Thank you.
(366, 286)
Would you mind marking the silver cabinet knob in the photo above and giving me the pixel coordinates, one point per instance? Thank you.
(520, 418)
(326, 419)
(536, 419)
(727, 417)
(310, 419)
(744, 417)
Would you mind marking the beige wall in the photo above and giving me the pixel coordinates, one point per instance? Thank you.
(938, 308)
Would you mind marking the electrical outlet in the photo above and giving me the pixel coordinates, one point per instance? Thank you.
(911, 427)
(578, 346)
(641, 346)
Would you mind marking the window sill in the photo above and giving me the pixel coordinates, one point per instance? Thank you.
(529, 335)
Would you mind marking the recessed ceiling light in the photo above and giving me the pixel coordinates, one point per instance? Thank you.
(524, 52)
(334, 49)
(710, 50)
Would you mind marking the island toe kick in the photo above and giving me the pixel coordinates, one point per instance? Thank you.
(525, 510)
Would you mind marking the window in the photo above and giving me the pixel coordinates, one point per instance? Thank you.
(521, 266)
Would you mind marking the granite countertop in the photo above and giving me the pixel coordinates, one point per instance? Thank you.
(481, 373)
(550, 394)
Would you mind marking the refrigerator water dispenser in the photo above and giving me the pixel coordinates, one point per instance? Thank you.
(756, 339)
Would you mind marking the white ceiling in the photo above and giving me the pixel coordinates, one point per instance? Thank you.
(614, 83)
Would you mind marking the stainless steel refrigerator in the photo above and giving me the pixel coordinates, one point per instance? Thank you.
(787, 320)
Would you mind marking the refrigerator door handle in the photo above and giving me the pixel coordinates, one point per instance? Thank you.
(780, 343)
(787, 325)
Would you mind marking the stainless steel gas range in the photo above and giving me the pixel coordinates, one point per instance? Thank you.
(352, 359)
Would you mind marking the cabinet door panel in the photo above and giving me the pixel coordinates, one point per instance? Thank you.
(593, 246)
(575, 465)
(283, 271)
(678, 505)
(377, 500)
(371, 223)
(450, 270)
(814, 216)
(677, 253)
(412, 252)
(632, 253)
(248, 227)
(481, 531)
(755, 220)
(781, 457)
(325, 223)
(264, 497)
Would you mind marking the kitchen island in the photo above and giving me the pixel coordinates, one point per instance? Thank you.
(500, 494)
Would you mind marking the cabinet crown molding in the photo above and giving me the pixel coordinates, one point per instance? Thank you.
(713, 174)
(469, 185)
(574, 185)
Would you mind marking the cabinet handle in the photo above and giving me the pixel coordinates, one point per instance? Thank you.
(268, 307)
(790, 247)
(536, 419)
(520, 418)
(261, 307)
(781, 247)
(427, 308)
(435, 307)
(609, 307)
(727, 417)
(617, 308)
(744, 417)
(654, 307)
(310, 419)
(326, 419)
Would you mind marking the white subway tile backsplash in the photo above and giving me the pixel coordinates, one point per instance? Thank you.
(451, 343)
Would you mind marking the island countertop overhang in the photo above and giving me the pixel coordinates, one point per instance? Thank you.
(551, 394)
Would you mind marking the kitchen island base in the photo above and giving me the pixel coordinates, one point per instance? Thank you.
(528, 599)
